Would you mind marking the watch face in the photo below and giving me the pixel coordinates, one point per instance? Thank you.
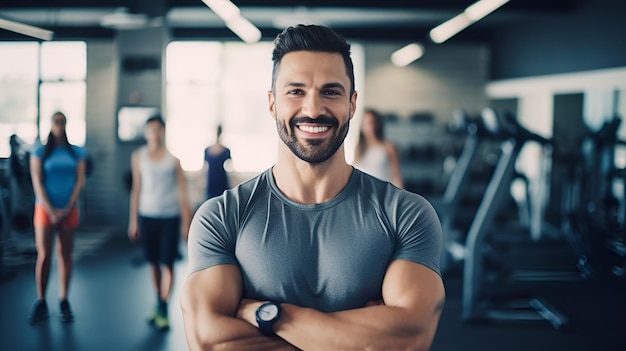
(268, 312)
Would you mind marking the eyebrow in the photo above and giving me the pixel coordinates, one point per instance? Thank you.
(333, 85)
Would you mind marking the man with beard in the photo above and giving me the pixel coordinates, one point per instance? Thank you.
(313, 253)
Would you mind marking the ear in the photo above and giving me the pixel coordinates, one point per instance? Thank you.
(353, 104)
(271, 104)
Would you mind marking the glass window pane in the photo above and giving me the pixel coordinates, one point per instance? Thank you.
(192, 72)
(18, 62)
(193, 61)
(18, 93)
(63, 61)
(191, 122)
(249, 130)
(66, 97)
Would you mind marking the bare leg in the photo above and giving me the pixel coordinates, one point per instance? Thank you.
(167, 281)
(43, 243)
(65, 244)
(156, 277)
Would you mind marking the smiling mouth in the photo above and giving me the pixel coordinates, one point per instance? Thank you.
(314, 129)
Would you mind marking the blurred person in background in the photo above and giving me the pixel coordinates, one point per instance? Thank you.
(58, 174)
(374, 154)
(215, 159)
(160, 212)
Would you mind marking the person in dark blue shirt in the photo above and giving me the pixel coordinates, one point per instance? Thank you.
(215, 157)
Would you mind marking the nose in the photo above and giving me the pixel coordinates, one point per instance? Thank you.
(313, 106)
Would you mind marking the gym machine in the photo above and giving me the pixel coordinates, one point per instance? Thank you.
(475, 305)
(593, 215)
(5, 238)
(477, 132)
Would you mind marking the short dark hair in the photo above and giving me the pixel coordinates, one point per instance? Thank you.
(311, 38)
(156, 118)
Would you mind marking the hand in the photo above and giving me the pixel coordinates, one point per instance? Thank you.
(55, 215)
(184, 231)
(63, 213)
(133, 232)
(246, 311)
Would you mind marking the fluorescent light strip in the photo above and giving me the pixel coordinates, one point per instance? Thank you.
(244, 30)
(25, 29)
(223, 8)
(231, 15)
(450, 28)
(470, 15)
(480, 9)
(402, 57)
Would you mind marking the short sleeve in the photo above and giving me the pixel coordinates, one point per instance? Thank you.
(419, 232)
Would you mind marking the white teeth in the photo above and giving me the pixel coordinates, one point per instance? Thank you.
(310, 129)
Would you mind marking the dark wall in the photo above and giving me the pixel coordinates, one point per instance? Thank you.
(593, 37)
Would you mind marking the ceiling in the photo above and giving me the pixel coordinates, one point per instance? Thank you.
(364, 20)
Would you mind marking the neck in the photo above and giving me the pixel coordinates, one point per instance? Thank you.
(155, 147)
(311, 183)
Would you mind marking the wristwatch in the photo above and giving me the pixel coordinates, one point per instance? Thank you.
(266, 315)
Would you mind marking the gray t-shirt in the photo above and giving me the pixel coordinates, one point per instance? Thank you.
(330, 256)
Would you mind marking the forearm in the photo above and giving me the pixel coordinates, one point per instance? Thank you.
(369, 328)
(226, 333)
(372, 328)
(133, 206)
(74, 198)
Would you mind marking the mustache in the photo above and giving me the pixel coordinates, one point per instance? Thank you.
(322, 119)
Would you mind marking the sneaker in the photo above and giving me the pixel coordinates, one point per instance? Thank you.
(161, 321)
(39, 312)
(153, 316)
(66, 312)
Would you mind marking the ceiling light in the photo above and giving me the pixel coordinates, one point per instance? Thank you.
(450, 28)
(231, 15)
(407, 54)
(471, 14)
(482, 8)
(26, 29)
(244, 30)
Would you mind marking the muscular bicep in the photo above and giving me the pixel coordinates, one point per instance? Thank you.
(215, 290)
(209, 299)
(416, 288)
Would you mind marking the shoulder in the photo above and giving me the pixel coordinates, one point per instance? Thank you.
(391, 198)
(80, 152)
(38, 150)
(389, 146)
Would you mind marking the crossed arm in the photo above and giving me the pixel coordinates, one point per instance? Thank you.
(216, 318)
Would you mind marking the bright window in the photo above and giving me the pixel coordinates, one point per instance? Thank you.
(18, 93)
(35, 81)
(211, 83)
(63, 88)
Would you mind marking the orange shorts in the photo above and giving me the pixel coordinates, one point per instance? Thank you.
(41, 218)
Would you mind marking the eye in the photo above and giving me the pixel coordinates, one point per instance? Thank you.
(295, 92)
(331, 92)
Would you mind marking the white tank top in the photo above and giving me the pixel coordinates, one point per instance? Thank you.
(158, 195)
(375, 161)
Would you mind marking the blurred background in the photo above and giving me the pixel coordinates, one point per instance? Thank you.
(505, 114)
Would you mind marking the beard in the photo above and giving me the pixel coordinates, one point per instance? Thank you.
(313, 151)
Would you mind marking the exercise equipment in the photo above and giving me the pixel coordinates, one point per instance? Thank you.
(592, 213)
(477, 132)
(5, 239)
(476, 306)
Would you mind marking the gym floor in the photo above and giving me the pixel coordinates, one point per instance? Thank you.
(111, 296)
